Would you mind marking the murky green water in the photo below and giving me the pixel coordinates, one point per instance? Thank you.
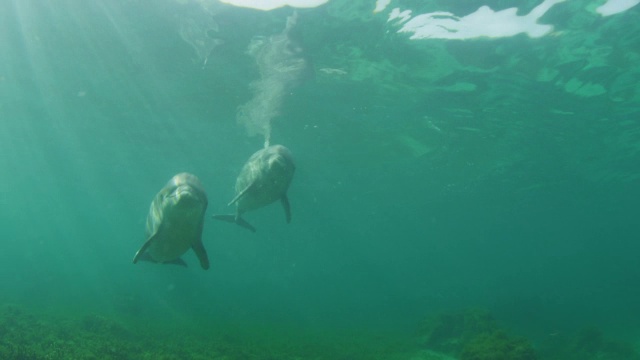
(479, 164)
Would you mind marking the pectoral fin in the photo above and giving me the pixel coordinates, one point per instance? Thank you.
(143, 257)
(140, 255)
(287, 208)
(201, 253)
(241, 194)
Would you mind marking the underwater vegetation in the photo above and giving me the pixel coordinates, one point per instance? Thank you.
(26, 336)
(449, 332)
(588, 344)
(474, 335)
(497, 345)
(466, 335)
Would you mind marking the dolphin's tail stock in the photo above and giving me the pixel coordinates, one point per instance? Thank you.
(236, 220)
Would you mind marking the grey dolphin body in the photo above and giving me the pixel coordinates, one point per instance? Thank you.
(264, 179)
(175, 222)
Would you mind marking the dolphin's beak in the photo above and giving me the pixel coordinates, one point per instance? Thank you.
(185, 195)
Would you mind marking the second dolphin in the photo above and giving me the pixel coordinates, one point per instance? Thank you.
(264, 179)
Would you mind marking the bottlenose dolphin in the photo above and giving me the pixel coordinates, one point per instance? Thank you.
(264, 178)
(174, 223)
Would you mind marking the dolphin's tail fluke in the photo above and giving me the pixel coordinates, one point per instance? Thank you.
(236, 220)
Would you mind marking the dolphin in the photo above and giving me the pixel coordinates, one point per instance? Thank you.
(264, 179)
(175, 222)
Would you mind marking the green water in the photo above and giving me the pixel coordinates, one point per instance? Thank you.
(434, 176)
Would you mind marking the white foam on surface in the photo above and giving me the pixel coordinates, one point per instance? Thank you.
(485, 22)
(613, 7)
(381, 5)
(274, 4)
